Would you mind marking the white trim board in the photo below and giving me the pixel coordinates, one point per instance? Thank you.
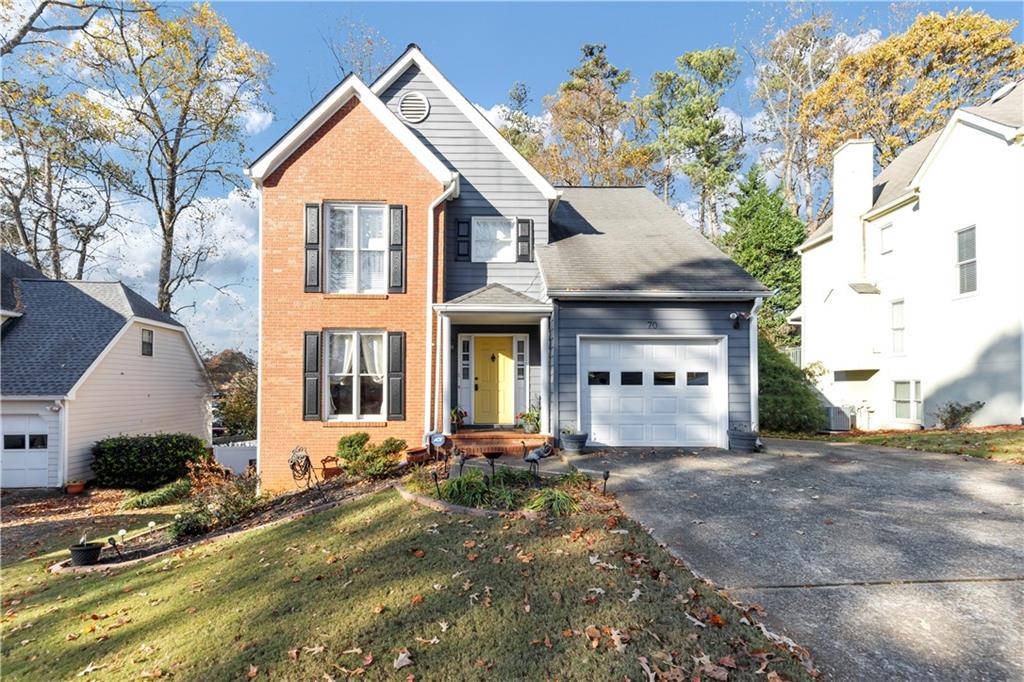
(413, 55)
(350, 87)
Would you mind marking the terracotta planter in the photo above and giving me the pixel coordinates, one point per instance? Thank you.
(417, 455)
(75, 488)
(87, 554)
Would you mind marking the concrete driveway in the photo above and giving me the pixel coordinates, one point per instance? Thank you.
(886, 564)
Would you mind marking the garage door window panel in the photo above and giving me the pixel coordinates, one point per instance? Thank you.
(698, 378)
(38, 441)
(664, 378)
(631, 378)
(14, 441)
(598, 378)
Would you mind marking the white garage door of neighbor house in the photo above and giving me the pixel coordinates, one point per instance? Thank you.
(25, 458)
(648, 391)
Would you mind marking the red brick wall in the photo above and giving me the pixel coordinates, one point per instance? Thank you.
(352, 157)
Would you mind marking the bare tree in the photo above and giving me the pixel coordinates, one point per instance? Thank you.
(37, 22)
(357, 47)
(186, 85)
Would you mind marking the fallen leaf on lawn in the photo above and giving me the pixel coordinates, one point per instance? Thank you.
(293, 654)
(619, 640)
(444, 625)
(73, 636)
(619, 531)
(92, 667)
(431, 641)
(694, 621)
(379, 608)
(319, 648)
(568, 633)
(331, 558)
(367, 660)
(403, 659)
(596, 590)
(715, 619)
(647, 669)
(775, 677)
(419, 553)
(146, 674)
(354, 650)
(469, 544)
(471, 556)
(525, 557)
(636, 594)
(416, 599)
(252, 672)
(727, 662)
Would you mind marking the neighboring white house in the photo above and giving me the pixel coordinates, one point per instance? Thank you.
(913, 290)
(80, 361)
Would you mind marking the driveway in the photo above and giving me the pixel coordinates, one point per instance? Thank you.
(886, 564)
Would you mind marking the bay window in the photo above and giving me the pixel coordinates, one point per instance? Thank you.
(355, 367)
(357, 244)
(493, 240)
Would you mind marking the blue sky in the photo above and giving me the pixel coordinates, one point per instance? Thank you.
(482, 48)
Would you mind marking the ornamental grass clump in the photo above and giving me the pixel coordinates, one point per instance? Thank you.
(555, 501)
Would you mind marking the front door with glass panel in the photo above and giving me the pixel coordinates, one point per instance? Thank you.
(493, 382)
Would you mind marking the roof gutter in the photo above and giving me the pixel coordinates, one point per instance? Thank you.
(912, 195)
(451, 191)
(687, 295)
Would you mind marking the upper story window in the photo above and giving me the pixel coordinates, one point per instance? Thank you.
(967, 260)
(356, 367)
(147, 342)
(898, 326)
(356, 248)
(493, 240)
(885, 239)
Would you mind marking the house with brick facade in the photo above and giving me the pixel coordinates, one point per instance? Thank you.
(412, 262)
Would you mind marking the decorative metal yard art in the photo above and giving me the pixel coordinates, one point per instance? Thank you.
(303, 471)
(533, 457)
(492, 455)
(460, 457)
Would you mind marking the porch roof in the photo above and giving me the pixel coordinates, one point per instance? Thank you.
(494, 294)
(494, 304)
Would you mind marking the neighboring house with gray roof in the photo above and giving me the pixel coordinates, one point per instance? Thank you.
(912, 289)
(80, 361)
(454, 275)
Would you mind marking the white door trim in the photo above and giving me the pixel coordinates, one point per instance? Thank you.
(721, 383)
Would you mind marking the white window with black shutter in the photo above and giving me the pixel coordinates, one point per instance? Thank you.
(524, 240)
(354, 375)
(311, 282)
(493, 240)
(397, 237)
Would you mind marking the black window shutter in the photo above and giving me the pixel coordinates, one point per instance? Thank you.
(462, 237)
(396, 250)
(396, 376)
(524, 240)
(312, 270)
(311, 376)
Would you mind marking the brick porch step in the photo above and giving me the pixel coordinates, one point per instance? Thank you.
(509, 443)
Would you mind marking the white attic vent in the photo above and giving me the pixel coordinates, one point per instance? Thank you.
(414, 107)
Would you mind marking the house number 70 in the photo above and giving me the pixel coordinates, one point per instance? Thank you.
(651, 324)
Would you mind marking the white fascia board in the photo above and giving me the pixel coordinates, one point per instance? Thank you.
(498, 310)
(806, 246)
(414, 56)
(688, 295)
(909, 197)
(318, 115)
(33, 397)
(1006, 132)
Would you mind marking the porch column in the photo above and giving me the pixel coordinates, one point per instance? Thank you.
(446, 374)
(545, 377)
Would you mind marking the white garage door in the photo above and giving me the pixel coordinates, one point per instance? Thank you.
(637, 392)
(27, 451)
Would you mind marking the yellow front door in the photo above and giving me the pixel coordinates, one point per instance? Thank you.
(493, 383)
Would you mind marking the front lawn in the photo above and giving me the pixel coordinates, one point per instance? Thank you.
(998, 443)
(342, 593)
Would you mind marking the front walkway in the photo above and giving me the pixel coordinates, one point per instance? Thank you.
(887, 564)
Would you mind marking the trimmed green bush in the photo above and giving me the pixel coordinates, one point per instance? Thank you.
(787, 400)
(190, 523)
(375, 461)
(176, 491)
(145, 462)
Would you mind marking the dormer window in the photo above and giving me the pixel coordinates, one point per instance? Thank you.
(147, 342)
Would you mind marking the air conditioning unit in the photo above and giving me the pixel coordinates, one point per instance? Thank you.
(838, 418)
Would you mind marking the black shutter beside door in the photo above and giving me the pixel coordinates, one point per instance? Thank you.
(311, 281)
(524, 240)
(311, 376)
(396, 250)
(396, 376)
(462, 240)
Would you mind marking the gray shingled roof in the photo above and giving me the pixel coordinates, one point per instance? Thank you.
(892, 182)
(494, 295)
(12, 269)
(626, 239)
(64, 326)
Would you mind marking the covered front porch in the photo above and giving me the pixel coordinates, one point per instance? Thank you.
(495, 364)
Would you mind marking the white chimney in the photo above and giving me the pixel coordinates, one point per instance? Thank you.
(853, 174)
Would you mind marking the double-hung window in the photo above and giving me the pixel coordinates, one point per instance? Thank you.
(907, 400)
(898, 326)
(356, 368)
(357, 244)
(967, 260)
(885, 239)
(493, 240)
(147, 342)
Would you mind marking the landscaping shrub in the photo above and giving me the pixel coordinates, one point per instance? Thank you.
(189, 523)
(953, 415)
(218, 502)
(503, 497)
(176, 491)
(787, 401)
(145, 462)
(509, 477)
(468, 490)
(557, 502)
(370, 461)
(574, 478)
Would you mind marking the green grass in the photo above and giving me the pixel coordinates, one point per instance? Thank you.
(379, 574)
(1001, 445)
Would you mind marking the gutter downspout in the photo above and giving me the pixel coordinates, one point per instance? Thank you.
(755, 417)
(451, 191)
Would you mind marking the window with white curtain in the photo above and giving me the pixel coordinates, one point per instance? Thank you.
(356, 248)
(907, 400)
(493, 240)
(355, 368)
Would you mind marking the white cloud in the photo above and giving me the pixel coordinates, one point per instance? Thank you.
(255, 121)
(859, 42)
(496, 114)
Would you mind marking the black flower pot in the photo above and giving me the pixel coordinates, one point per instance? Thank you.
(87, 554)
(574, 443)
(742, 441)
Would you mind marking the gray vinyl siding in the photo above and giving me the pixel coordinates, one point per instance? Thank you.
(533, 352)
(626, 318)
(490, 186)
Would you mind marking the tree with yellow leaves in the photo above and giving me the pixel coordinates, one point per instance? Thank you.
(906, 86)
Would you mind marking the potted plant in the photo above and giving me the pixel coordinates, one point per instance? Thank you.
(74, 487)
(573, 442)
(742, 438)
(458, 418)
(85, 553)
(530, 419)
